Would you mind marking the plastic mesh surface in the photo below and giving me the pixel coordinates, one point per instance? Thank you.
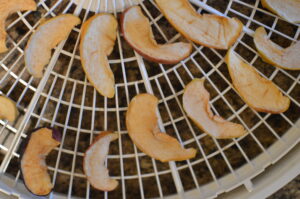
(64, 99)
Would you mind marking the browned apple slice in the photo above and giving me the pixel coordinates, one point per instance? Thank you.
(48, 35)
(207, 29)
(287, 9)
(259, 93)
(8, 7)
(287, 58)
(97, 42)
(93, 163)
(137, 31)
(142, 126)
(8, 109)
(40, 142)
(196, 104)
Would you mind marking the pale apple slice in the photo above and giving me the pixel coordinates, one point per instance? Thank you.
(259, 93)
(93, 162)
(207, 29)
(8, 7)
(196, 105)
(142, 126)
(286, 58)
(8, 109)
(39, 143)
(48, 35)
(97, 42)
(287, 9)
(137, 31)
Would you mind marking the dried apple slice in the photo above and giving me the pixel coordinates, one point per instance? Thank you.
(287, 58)
(93, 162)
(7, 8)
(287, 9)
(97, 41)
(259, 93)
(8, 109)
(196, 105)
(142, 126)
(137, 31)
(48, 35)
(40, 142)
(207, 29)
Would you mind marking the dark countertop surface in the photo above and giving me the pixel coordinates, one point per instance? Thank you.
(289, 191)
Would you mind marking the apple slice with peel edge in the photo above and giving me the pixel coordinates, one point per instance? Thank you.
(286, 58)
(97, 42)
(8, 7)
(208, 30)
(8, 109)
(94, 159)
(48, 35)
(137, 31)
(287, 9)
(142, 126)
(196, 105)
(259, 93)
(38, 144)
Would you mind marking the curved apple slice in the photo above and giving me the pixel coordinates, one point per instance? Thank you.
(196, 105)
(97, 42)
(93, 162)
(259, 93)
(142, 126)
(7, 8)
(287, 9)
(40, 142)
(48, 35)
(137, 31)
(287, 58)
(207, 30)
(8, 109)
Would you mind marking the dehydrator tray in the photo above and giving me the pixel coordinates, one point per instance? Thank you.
(64, 99)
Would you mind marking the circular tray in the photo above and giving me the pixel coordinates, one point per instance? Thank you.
(64, 99)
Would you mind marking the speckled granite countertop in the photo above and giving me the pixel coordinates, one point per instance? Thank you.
(290, 191)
